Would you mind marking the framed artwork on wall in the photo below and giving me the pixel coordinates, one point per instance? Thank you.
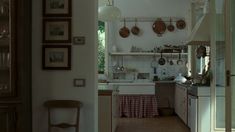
(56, 57)
(57, 8)
(56, 30)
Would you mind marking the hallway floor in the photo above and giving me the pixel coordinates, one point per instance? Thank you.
(159, 124)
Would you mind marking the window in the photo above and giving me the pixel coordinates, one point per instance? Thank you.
(101, 47)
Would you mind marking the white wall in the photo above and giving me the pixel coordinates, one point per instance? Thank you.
(59, 84)
(148, 39)
(153, 9)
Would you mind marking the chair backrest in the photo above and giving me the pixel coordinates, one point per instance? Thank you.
(52, 104)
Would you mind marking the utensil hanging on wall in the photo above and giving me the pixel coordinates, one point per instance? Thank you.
(171, 61)
(161, 61)
(135, 29)
(159, 27)
(170, 27)
(180, 24)
(179, 61)
(124, 31)
(154, 64)
(122, 68)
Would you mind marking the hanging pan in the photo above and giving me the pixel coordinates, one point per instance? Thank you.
(179, 61)
(170, 27)
(159, 27)
(180, 24)
(124, 31)
(161, 61)
(135, 30)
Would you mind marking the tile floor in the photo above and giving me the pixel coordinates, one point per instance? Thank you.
(159, 124)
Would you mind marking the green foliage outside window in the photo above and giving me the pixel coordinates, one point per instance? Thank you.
(101, 47)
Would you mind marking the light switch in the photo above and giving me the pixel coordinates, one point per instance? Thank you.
(79, 40)
(79, 82)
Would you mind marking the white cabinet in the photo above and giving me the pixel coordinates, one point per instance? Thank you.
(181, 102)
(199, 109)
(107, 110)
(192, 113)
(203, 114)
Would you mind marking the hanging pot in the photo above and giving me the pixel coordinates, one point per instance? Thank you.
(161, 61)
(135, 30)
(171, 61)
(124, 31)
(201, 51)
(159, 27)
(170, 27)
(180, 24)
(179, 61)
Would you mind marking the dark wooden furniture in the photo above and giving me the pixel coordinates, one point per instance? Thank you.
(15, 66)
(68, 104)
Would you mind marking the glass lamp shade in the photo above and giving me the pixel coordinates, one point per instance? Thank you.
(109, 13)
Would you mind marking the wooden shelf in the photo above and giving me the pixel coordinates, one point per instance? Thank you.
(143, 54)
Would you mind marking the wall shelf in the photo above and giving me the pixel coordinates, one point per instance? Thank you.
(143, 54)
(151, 19)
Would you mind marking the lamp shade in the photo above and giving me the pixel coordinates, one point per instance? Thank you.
(109, 13)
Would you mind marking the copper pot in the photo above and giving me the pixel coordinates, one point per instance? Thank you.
(159, 27)
(135, 30)
(124, 31)
(180, 24)
(170, 27)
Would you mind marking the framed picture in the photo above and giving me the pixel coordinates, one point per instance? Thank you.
(56, 57)
(57, 8)
(56, 30)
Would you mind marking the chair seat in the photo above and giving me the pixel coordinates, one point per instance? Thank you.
(68, 104)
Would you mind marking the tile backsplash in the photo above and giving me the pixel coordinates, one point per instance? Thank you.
(143, 70)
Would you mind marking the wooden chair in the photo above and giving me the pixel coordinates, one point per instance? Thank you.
(52, 104)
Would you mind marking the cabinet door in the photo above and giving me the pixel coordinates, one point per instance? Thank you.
(105, 113)
(7, 119)
(15, 65)
(181, 102)
(115, 111)
(7, 48)
(177, 100)
(184, 105)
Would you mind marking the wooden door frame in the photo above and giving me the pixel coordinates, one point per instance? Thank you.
(24, 70)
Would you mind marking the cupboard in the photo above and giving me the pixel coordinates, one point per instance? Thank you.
(107, 110)
(181, 102)
(15, 66)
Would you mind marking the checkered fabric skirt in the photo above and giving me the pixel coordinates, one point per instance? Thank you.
(138, 106)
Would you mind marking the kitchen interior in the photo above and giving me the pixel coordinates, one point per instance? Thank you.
(157, 64)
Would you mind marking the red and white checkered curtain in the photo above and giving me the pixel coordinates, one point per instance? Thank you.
(138, 106)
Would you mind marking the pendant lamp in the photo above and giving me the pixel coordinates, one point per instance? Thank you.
(109, 13)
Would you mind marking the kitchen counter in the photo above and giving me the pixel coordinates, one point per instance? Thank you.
(164, 81)
(151, 83)
(134, 84)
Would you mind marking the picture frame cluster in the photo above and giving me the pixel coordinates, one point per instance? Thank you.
(56, 34)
